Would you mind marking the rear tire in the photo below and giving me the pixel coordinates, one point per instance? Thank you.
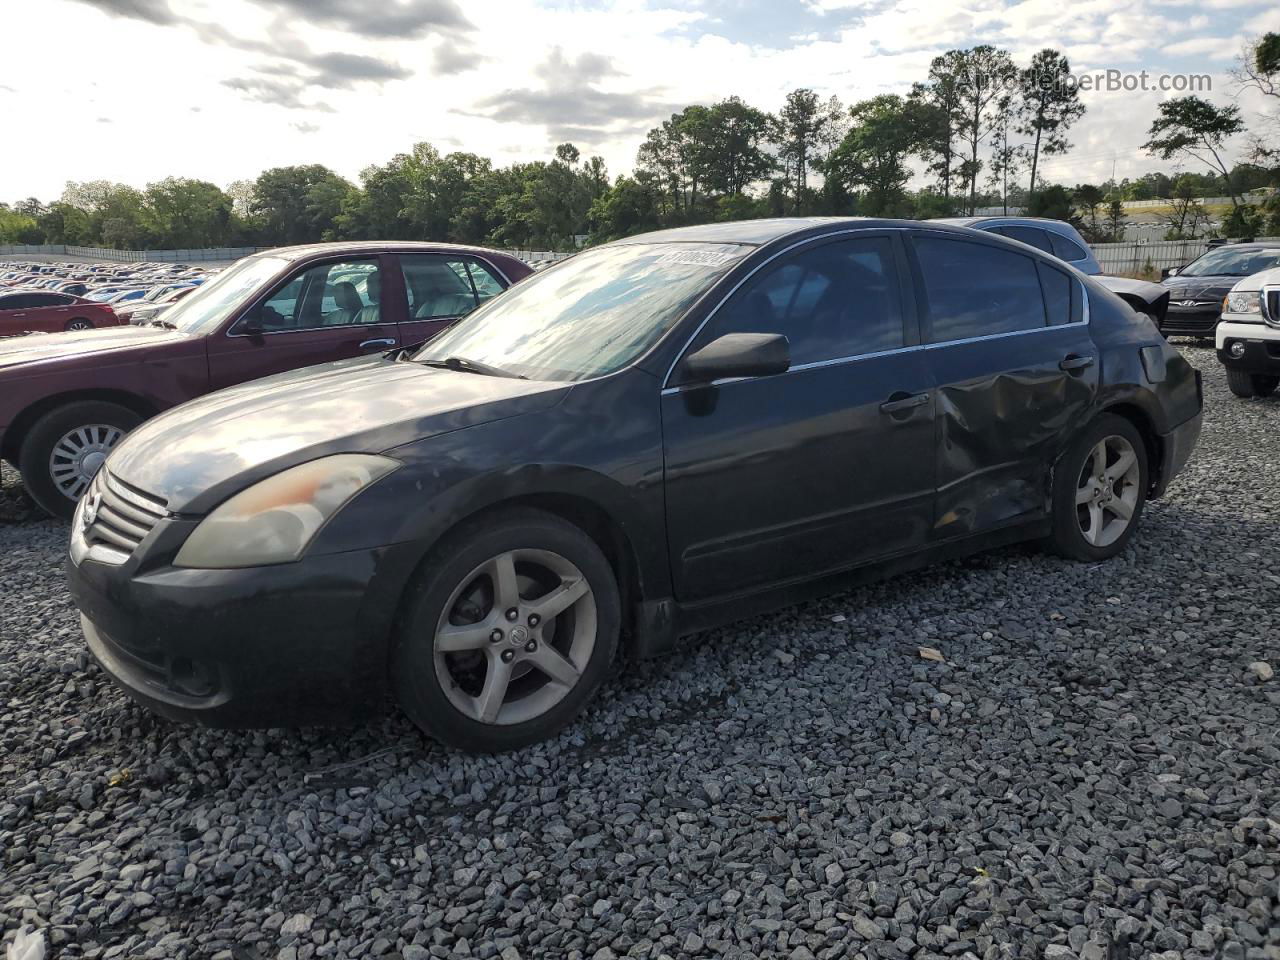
(79, 323)
(1251, 384)
(1099, 489)
(507, 633)
(64, 449)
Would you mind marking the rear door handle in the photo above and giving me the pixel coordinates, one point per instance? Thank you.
(382, 343)
(904, 403)
(1072, 364)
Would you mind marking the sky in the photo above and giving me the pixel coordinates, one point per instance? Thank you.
(138, 90)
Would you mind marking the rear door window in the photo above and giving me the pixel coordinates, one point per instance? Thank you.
(1030, 235)
(1067, 249)
(1061, 295)
(977, 289)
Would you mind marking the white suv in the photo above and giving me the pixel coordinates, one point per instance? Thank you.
(1248, 338)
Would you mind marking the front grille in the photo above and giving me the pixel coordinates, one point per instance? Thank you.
(1271, 305)
(121, 516)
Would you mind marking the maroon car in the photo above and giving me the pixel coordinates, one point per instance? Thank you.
(66, 401)
(42, 311)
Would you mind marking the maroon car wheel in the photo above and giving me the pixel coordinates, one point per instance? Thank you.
(66, 447)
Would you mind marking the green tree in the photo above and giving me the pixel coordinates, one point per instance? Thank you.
(1194, 127)
(180, 213)
(805, 130)
(873, 155)
(1048, 104)
(300, 204)
(1088, 197)
(940, 95)
(735, 156)
(984, 75)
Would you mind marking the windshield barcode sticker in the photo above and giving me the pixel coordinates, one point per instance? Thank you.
(696, 258)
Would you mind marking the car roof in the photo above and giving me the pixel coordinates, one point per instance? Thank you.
(1009, 218)
(761, 232)
(370, 246)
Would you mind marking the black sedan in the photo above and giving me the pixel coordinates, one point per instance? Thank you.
(656, 436)
(1196, 291)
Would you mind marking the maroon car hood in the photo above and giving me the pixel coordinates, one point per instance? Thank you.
(49, 347)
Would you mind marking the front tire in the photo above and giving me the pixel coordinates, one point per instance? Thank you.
(1251, 384)
(1099, 489)
(65, 448)
(509, 630)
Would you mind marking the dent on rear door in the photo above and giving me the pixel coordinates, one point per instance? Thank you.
(1004, 411)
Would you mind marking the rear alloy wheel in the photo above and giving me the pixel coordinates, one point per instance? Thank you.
(1251, 384)
(79, 323)
(66, 447)
(510, 632)
(1100, 487)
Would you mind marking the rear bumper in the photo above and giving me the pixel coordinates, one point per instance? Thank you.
(1176, 448)
(1259, 343)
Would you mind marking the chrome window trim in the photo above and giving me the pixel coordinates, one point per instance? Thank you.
(668, 389)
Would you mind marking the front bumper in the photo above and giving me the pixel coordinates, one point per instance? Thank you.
(285, 645)
(1261, 347)
(1197, 321)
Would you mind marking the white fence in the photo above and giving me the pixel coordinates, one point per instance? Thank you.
(1136, 257)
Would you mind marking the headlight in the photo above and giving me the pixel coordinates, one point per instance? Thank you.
(1248, 301)
(274, 520)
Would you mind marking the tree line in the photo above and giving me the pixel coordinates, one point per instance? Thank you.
(978, 128)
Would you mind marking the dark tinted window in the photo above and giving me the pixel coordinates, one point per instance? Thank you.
(45, 300)
(1032, 235)
(15, 301)
(1061, 295)
(830, 301)
(1066, 249)
(976, 290)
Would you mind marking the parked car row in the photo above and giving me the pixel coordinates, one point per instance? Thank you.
(56, 297)
(657, 435)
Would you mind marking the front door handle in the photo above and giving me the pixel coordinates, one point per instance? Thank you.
(899, 403)
(1073, 363)
(381, 343)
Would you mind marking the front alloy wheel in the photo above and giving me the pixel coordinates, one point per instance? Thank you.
(515, 636)
(509, 630)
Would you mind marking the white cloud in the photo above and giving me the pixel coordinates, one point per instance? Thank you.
(177, 96)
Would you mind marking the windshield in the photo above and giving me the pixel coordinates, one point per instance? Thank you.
(213, 302)
(1228, 262)
(590, 315)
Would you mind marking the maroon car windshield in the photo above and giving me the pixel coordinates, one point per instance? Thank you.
(210, 304)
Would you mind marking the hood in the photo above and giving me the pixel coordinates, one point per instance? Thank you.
(198, 454)
(1256, 281)
(1146, 297)
(1198, 288)
(20, 351)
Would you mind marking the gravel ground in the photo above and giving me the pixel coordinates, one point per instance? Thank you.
(1093, 772)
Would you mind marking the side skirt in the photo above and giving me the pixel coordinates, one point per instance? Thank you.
(660, 623)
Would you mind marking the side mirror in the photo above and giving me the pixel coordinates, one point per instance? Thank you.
(739, 355)
(251, 326)
(1168, 272)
